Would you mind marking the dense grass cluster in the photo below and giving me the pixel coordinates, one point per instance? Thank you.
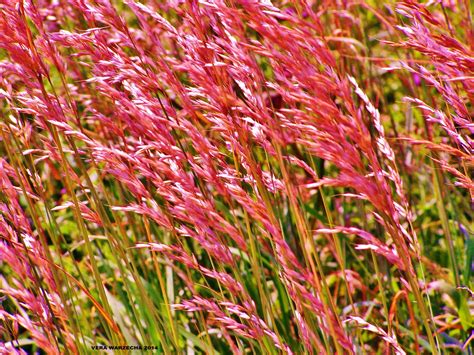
(237, 176)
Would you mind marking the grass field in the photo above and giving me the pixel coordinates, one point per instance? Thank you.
(236, 176)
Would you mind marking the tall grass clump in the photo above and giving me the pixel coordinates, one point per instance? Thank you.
(236, 176)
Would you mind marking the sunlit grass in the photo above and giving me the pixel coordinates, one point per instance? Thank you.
(236, 177)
